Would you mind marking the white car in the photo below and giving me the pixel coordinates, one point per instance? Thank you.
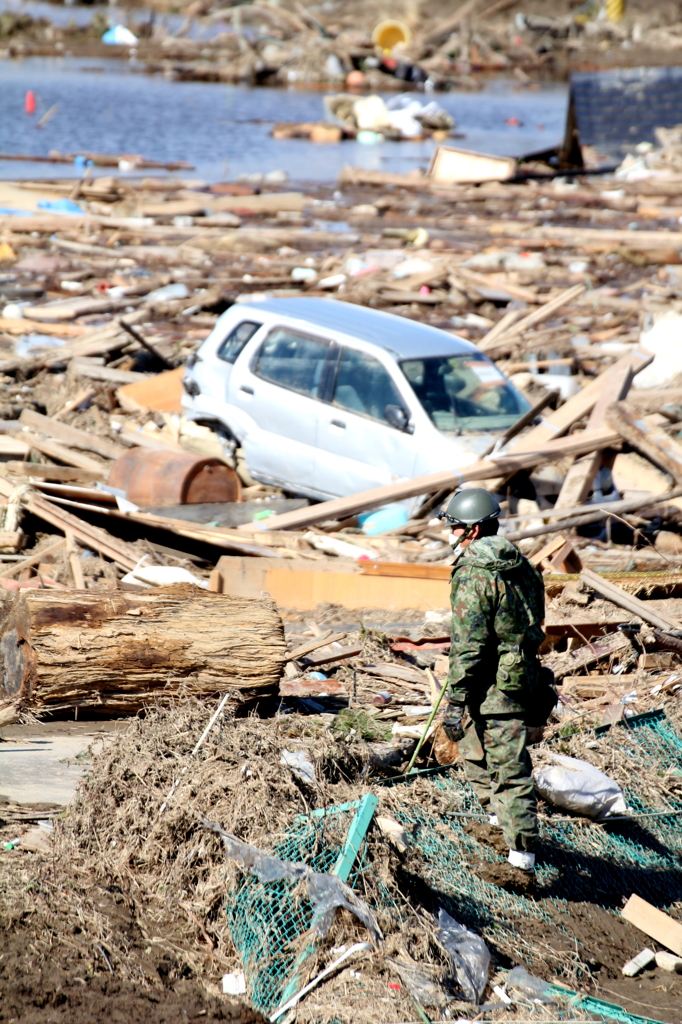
(327, 398)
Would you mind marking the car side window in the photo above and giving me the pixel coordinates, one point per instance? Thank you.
(236, 340)
(364, 385)
(293, 361)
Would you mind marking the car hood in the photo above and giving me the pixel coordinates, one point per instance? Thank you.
(496, 554)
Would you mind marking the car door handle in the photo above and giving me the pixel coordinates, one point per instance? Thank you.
(338, 423)
(246, 390)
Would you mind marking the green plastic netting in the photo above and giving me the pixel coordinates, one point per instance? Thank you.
(577, 861)
(268, 920)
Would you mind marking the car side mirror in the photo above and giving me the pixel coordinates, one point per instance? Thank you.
(398, 418)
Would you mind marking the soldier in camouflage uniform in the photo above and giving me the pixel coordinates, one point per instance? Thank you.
(498, 605)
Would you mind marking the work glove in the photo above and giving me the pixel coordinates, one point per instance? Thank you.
(452, 723)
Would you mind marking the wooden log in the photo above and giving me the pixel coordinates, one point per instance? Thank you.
(649, 440)
(612, 592)
(118, 651)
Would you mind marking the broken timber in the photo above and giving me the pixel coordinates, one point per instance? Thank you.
(484, 469)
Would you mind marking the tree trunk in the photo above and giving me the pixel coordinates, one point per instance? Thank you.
(117, 651)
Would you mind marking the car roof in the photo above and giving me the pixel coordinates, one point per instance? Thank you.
(402, 338)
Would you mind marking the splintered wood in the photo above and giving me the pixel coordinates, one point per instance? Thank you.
(118, 651)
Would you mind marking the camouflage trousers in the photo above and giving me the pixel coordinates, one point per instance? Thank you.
(498, 767)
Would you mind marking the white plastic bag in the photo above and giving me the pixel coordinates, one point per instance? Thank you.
(468, 953)
(577, 786)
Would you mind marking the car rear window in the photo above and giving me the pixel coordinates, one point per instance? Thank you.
(236, 339)
(464, 392)
(293, 361)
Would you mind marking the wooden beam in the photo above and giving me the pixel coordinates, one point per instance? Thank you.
(579, 405)
(536, 317)
(649, 440)
(54, 450)
(578, 480)
(612, 592)
(18, 567)
(91, 536)
(60, 474)
(485, 469)
(71, 436)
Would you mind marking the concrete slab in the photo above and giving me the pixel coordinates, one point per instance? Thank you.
(44, 763)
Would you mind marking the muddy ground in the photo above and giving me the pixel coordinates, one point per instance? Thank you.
(73, 983)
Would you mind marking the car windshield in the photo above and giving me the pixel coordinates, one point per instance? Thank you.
(464, 392)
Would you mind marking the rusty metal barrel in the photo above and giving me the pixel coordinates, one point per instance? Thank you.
(151, 477)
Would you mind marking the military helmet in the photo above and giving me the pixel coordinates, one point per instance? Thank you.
(471, 506)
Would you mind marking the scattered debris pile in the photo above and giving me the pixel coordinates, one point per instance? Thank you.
(293, 787)
(299, 43)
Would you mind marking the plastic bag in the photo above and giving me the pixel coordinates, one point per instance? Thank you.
(326, 892)
(468, 954)
(578, 786)
(528, 985)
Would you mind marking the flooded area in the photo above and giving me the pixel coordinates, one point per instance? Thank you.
(110, 107)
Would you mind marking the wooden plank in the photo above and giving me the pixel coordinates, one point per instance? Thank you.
(312, 645)
(536, 317)
(54, 450)
(578, 480)
(71, 436)
(340, 654)
(485, 469)
(461, 166)
(305, 588)
(74, 561)
(14, 445)
(134, 436)
(162, 392)
(18, 567)
(406, 570)
(106, 373)
(60, 474)
(19, 325)
(91, 536)
(654, 923)
(579, 405)
(266, 202)
(618, 596)
(356, 835)
(648, 439)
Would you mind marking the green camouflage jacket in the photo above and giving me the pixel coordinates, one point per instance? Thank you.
(498, 604)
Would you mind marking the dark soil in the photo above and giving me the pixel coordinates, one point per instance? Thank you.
(72, 983)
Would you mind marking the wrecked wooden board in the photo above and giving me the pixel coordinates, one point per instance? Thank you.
(451, 166)
(162, 393)
(302, 585)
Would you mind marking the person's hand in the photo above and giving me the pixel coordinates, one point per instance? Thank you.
(452, 723)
